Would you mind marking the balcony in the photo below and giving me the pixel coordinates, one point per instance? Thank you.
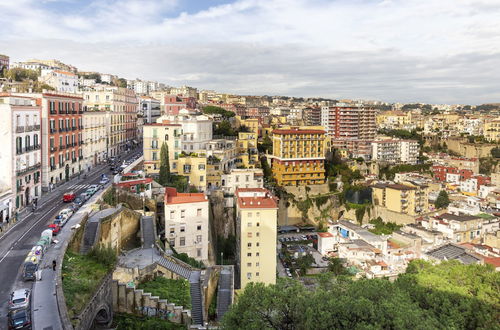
(19, 129)
(80, 157)
(61, 147)
(73, 128)
(61, 130)
(53, 149)
(20, 188)
(36, 127)
(74, 160)
(61, 165)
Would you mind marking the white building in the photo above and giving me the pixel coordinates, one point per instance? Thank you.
(395, 151)
(485, 190)
(469, 185)
(150, 109)
(62, 81)
(21, 156)
(185, 91)
(94, 135)
(6, 206)
(242, 178)
(453, 178)
(196, 130)
(107, 78)
(186, 223)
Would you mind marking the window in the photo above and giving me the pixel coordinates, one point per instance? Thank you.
(249, 275)
(172, 214)
(249, 264)
(249, 245)
(182, 241)
(172, 230)
(198, 213)
(198, 252)
(249, 214)
(201, 178)
(249, 254)
(257, 274)
(249, 224)
(198, 227)
(183, 229)
(257, 215)
(257, 234)
(247, 178)
(258, 244)
(198, 239)
(183, 214)
(155, 156)
(257, 264)
(258, 224)
(249, 235)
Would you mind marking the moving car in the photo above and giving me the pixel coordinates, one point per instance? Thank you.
(19, 299)
(69, 196)
(19, 319)
(55, 228)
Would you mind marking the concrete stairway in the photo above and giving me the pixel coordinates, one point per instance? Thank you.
(196, 298)
(175, 267)
(89, 236)
(225, 291)
(147, 231)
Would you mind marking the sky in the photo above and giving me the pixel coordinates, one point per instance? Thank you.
(432, 51)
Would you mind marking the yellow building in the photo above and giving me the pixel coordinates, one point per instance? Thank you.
(194, 167)
(491, 130)
(409, 199)
(256, 221)
(248, 155)
(251, 123)
(394, 120)
(298, 156)
(154, 135)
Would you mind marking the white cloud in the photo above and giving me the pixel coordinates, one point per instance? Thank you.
(436, 51)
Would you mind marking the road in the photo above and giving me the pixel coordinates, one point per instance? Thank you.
(15, 244)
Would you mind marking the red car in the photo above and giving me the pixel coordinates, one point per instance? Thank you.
(69, 196)
(55, 228)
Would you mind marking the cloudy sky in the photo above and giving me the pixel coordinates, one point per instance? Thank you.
(437, 51)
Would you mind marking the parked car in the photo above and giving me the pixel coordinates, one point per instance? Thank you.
(69, 196)
(79, 201)
(55, 228)
(66, 213)
(58, 221)
(84, 197)
(20, 298)
(96, 187)
(104, 180)
(19, 319)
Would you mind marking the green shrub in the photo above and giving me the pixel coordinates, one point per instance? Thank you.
(174, 291)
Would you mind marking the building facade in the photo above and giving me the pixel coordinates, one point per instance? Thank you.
(186, 223)
(21, 157)
(94, 136)
(4, 62)
(395, 151)
(149, 109)
(154, 135)
(256, 222)
(242, 178)
(298, 156)
(62, 81)
(411, 199)
(122, 106)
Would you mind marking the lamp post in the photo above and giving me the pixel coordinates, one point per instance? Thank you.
(222, 258)
(152, 252)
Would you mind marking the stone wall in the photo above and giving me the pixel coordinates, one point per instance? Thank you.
(209, 286)
(119, 229)
(76, 239)
(99, 309)
(132, 301)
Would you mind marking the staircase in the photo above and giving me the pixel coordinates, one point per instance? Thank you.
(147, 231)
(196, 299)
(225, 291)
(175, 267)
(89, 236)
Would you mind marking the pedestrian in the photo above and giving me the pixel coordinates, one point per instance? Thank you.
(54, 264)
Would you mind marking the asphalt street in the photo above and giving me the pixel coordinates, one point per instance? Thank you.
(18, 241)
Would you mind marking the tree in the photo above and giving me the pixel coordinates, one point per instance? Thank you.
(336, 267)
(442, 200)
(122, 82)
(224, 128)
(19, 74)
(266, 146)
(164, 165)
(495, 152)
(211, 109)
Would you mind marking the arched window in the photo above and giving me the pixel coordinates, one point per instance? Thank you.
(35, 140)
(166, 137)
(27, 144)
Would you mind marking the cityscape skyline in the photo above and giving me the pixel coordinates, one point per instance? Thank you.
(372, 50)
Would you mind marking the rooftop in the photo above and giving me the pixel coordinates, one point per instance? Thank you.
(298, 131)
(449, 216)
(453, 252)
(267, 202)
(173, 197)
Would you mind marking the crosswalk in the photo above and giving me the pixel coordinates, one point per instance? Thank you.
(80, 186)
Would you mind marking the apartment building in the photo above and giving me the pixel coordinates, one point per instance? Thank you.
(186, 223)
(242, 178)
(122, 106)
(4, 62)
(62, 81)
(154, 135)
(185, 91)
(248, 155)
(395, 120)
(491, 130)
(395, 151)
(194, 168)
(440, 172)
(312, 116)
(149, 109)
(351, 127)
(298, 156)
(411, 199)
(252, 124)
(256, 222)
(94, 138)
(196, 131)
(456, 228)
(21, 156)
(172, 104)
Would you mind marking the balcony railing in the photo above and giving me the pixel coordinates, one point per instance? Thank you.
(19, 129)
(53, 149)
(53, 130)
(36, 127)
(52, 167)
